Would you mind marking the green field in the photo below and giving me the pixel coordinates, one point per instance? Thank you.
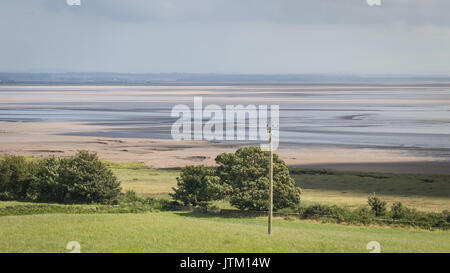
(189, 232)
(98, 228)
(145, 181)
(423, 192)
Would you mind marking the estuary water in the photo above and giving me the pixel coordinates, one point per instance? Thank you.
(406, 117)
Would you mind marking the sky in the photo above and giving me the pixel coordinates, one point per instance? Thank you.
(226, 36)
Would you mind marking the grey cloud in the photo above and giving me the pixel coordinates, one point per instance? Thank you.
(322, 12)
(226, 36)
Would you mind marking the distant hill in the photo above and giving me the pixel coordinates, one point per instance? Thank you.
(182, 78)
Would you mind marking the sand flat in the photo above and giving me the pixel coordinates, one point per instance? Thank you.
(41, 139)
(394, 128)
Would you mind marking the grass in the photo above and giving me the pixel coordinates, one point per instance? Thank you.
(145, 181)
(4, 204)
(101, 228)
(8, 208)
(421, 191)
(190, 232)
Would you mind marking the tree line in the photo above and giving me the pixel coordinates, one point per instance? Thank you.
(82, 178)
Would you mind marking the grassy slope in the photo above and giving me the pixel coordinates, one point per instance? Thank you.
(424, 192)
(187, 232)
(180, 232)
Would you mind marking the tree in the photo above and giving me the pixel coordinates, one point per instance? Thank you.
(46, 186)
(247, 174)
(16, 175)
(79, 179)
(377, 205)
(86, 179)
(198, 186)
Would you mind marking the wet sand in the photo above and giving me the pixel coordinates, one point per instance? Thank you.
(348, 127)
(414, 116)
(42, 140)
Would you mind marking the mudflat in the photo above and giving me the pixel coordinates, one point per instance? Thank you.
(43, 139)
(398, 128)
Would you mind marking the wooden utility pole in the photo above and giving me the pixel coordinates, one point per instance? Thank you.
(271, 183)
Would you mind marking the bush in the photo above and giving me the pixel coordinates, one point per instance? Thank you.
(446, 215)
(86, 179)
(130, 196)
(131, 202)
(377, 205)
(247, 174)
(322, 210)
(399, 211)
(16, 175)
(337, 214)
(198, 186)
(364, 215)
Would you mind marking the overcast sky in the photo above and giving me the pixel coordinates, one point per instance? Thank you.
(226, 36)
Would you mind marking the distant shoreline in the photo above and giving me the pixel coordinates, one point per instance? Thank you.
(215, 84)
(110, 78)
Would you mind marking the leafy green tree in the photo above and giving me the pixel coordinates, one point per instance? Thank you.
(46, 186)
(16, 175)
(86, 179)
(247, 174)
(198, 186)
(377, 205)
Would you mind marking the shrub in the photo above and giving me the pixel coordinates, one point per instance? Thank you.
(399, 211)
(163, 204)
(247, 174)
(86, 179)
(130, 196)
(131, 202)
(431, 220)
(322, 210)
(364, 215)
(16, 175)
(446, 215)
(377, 205)
(338, 214)
(198, 186)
